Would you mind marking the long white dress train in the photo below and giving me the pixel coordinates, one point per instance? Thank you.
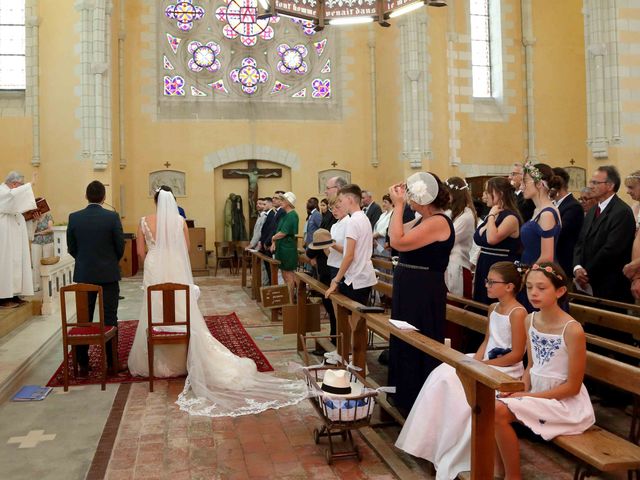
(219, 383)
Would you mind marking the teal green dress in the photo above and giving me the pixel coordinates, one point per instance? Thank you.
(287, 248)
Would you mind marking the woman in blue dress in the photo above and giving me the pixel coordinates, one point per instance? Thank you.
(498, 236)
(540, 234)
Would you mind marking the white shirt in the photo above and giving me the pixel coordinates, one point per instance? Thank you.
(257, 229)
(360, 273)
(558, 202)
(338, 231)
(603, 204)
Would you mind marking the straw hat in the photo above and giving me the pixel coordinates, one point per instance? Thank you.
(290, 198)
(337, 384)
(422, 188)
(321, 240)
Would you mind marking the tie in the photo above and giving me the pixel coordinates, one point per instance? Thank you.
(598, 211)
(364, 210)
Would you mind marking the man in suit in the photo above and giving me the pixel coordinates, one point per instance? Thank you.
(95, 240)
(370, 208)
(572, 218)
(526, 206)
(269, 228)
(606, 239)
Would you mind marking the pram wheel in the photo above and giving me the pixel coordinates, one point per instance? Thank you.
(316, 436)
(328, 456)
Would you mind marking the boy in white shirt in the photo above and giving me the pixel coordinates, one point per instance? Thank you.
(356, 275)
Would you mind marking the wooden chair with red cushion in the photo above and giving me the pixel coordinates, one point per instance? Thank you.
(155, 334)
(84, 331)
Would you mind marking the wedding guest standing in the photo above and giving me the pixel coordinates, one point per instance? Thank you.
(356, 275)
(572, 218)
(632, 269)
(606, 239)
(419, 290)
(314, 219)
(525, 206)
(498, 236)
(381, 227)
(370, 208)
(284, 242)
(16, 197)
(586, 200)
(95, 240)
(463, 215)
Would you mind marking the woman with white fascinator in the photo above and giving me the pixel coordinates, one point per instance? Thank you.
(419, 290)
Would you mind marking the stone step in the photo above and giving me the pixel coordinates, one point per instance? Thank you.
(12, 318)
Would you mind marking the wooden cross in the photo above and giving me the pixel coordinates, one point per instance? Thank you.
(252, 174)
(334, 164)
(167, 164)
(572, 161)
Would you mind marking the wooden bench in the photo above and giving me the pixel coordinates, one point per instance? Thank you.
(479, 380)
(256, 277)
(603, 302)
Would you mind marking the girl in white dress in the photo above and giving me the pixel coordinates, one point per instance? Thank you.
(555, 402)
(219, 383)
(439, 425)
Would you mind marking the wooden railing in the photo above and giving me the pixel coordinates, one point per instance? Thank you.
(256, 276)
(480, 381)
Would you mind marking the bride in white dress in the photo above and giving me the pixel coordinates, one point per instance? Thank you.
(219, 383)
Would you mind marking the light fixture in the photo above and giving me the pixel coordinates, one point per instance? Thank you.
(350, 20)
(406, 9)
(323, 12)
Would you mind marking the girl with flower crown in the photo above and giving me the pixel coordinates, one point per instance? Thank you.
(439, 425)
(554, 402)
(632, 269)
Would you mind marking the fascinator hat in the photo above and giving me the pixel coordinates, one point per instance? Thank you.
(422, 188)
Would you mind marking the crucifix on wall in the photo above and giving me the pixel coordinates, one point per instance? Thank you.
(252, 173)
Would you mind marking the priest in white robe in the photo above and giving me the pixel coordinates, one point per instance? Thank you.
(16, 197)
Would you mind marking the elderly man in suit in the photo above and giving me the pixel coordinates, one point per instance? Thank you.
(606, 239)
(572, 218)
(96, 241)
(526, 206)
(370, 208)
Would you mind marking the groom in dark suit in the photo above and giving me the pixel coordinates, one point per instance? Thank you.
(606, 239)
(95, 240)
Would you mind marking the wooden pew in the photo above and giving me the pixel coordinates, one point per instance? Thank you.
(603, 302)
(256, 277)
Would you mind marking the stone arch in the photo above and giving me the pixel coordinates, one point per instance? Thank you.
(248, 152)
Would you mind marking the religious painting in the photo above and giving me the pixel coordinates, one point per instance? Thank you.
(577, 178)
(325, 175)
(171, 178)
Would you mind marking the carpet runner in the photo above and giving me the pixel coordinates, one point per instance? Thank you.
(227, 329)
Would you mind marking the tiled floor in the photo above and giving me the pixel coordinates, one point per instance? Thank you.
(128, 433)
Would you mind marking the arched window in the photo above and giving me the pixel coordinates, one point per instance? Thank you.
(481, 48)
(12, 45)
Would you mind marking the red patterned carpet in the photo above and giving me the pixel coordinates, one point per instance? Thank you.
(226, 328)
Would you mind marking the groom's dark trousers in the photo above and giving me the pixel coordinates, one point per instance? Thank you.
(95, 240)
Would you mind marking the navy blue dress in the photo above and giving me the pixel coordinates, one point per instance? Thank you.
(532, 234)
(507, 250)
(420, 298)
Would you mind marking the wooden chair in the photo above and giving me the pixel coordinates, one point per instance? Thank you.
(157, 336)
(224, 253)
(241, 253)
(84, 331)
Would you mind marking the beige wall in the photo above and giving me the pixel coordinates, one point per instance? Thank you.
(559, 103)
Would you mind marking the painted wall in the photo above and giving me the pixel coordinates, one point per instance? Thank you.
(485, 139)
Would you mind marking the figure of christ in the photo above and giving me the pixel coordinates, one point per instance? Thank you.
(253, 174)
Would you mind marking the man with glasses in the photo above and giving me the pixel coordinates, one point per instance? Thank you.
(525, 206)
(586, 200)
(334, 184)
(16, 198)
(606, 239)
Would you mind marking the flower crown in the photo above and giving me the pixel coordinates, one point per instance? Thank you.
(547, 269)
(635, 176)
(534, 173)
(456, 187)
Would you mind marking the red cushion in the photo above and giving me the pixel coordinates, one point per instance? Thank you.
(85, 331)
